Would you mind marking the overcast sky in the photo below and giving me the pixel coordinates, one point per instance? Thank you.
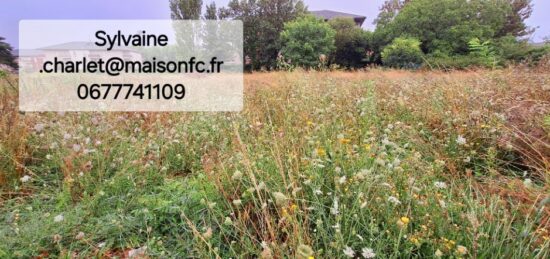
(12, 11)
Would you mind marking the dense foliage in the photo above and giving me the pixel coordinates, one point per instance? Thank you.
(403, 53)
(447, 28)
(263, 22)
(6, 56)
(444, 28)
(352, 43)
(307, 42)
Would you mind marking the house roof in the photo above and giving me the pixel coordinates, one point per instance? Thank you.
(329, 15)
(26, 53)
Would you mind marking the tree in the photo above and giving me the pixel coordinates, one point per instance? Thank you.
(6, 56)
(186, 9)
(211, 12)
(186, 36)
(403, 53)
(447, 26)
(352, 43)
(263, 22)
(519, 12)
(388, 11)
(307, 41)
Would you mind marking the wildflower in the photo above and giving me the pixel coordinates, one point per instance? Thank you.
(461, 140)
(438, 253)
(280, 198)
(387, 185)
(25, 178)
(228, 221)
(58, 218)
(367, 147)
(403, 221)
(440, 185)
(342, 180)
(348, 251)
(443, 204)
(79, 236)
(320, 152)
(440, 162)
(237, 202)
(344, 141)
(39, 127)
(304, 251)
(394, 200)
(368, 253)
(462, 250)
(334, 210)
(57, 238)
(137, 253)
(261, 186)
(362, 175)
(396, 162)
(266, 252)
(207, 234)
(237, 176)
(76, 147)
(380, 162)
(415, 241)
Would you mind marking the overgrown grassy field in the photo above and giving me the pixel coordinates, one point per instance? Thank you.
(386, 164)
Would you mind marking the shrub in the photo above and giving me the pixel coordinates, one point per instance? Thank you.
(484, 52)
(306, 40)
(403, 53)
(520, 51)
(352, 43)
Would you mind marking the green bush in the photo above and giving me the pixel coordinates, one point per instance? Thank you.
(352, 43)
(307, 42)
(483, 52)
(520, 51)
(403, 53)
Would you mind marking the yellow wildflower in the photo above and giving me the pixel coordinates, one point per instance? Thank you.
(367, 147)
(320, 152)
(462, 250)
(344, 141)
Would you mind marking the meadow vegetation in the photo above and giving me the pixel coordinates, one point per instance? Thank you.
(382, 163)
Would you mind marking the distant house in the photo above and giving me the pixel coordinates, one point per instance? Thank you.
(71, 51)
(328, 15)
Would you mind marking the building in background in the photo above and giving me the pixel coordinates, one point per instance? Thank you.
(328, 15)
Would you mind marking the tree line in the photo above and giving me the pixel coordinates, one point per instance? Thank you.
(280, 34)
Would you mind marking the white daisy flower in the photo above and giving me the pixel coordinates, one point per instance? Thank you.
(348, 251)
(460, 140)
(394, 200)
(58, 218)
(342, 180)
(368, 253)
(440, 185)
(25, 179)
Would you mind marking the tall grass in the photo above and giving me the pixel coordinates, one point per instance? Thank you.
(389, 164)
